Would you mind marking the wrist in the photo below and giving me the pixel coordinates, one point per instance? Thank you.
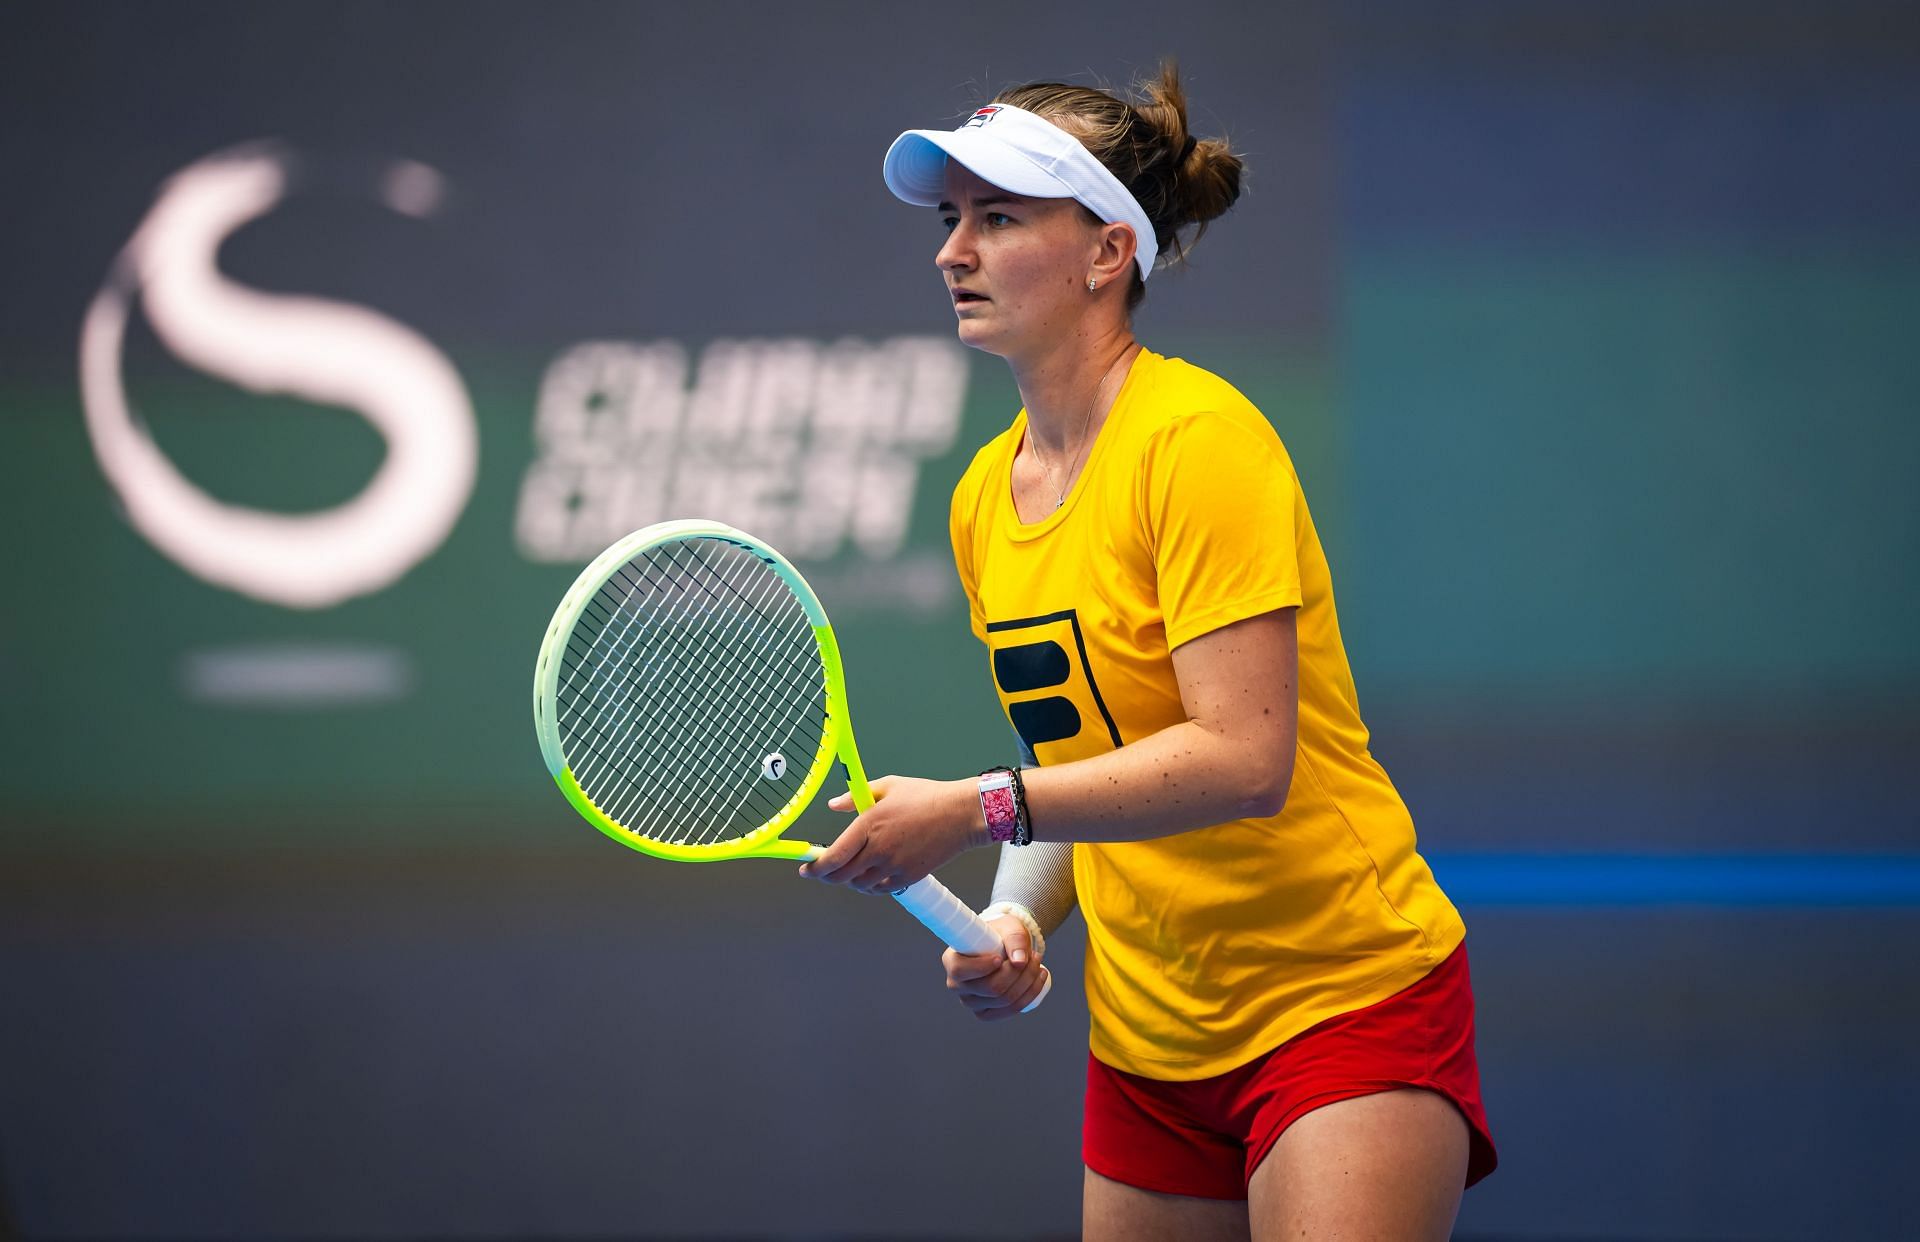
(973, 824)
(1014, 909)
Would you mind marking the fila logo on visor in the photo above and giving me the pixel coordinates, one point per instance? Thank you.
(982, 116)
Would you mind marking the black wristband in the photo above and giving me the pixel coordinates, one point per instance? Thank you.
(1023, 831)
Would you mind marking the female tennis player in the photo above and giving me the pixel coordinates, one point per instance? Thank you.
(1282, 1023)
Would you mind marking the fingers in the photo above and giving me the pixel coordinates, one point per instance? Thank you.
(992, 982)
(966, 967)
(844, 801)
(997, 986)
(840, 863)
(993, 988)
(1017, 945)
(893, 878)
(850, 866)
(1032, 984)
(999, 1008)
(1037, 982)
(833, 865)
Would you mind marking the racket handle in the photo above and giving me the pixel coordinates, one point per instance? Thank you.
(951, 919)
(948, 917)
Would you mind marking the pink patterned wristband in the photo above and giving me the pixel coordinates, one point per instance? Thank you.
(997, 805)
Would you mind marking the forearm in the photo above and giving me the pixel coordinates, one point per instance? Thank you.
(1039, 877)
(1181, 778)
(1113, 806)
(1231, 758)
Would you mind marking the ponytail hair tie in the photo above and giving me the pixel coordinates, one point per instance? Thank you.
(1187, 150)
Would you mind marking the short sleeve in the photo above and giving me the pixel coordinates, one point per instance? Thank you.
(1219, 500)
(960, 531)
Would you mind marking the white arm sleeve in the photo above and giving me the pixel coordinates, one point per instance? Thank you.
(1039, 877)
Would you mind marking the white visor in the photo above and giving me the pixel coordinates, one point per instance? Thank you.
(1014, 149)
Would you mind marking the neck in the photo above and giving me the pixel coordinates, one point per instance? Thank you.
(1057, 388)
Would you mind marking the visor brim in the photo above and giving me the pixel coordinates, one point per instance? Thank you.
(916, 166)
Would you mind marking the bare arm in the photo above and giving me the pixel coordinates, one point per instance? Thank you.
(1232, 758)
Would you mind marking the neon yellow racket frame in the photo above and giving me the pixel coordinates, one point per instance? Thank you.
(928, 900)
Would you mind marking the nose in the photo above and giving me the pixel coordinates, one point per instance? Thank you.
(956, 253)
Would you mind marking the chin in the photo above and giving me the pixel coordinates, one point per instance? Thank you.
(980, 336)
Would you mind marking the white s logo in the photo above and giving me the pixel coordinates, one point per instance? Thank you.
(312, 348)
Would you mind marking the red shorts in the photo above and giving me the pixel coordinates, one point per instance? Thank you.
(1205, 1138)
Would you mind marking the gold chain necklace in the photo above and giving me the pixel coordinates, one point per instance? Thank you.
(1080, 447)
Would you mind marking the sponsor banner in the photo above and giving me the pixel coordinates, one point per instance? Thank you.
(296, 544)
(815, 445)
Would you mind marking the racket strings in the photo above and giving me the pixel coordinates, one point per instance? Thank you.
(603, 714)
(651, 576)
(768, 591)
(614, 697)
(620, 710)
(795, 679)
(731, 802)
(699, 790)
(587, 700)
(603, 718)
(804, 719)
(687, 667)
(666, 681)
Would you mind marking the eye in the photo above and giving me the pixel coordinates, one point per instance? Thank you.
(998, 218)
(949, 223)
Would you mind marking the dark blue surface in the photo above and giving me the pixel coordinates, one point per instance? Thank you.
(1584, 123)
(599, 1048)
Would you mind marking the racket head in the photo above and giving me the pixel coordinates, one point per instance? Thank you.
(681, 662)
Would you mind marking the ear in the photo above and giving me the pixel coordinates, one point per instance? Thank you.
(1113, 260)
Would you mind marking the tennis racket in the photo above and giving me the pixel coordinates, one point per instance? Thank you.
(690, 703)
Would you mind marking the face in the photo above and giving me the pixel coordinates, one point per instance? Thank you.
(1015, 267)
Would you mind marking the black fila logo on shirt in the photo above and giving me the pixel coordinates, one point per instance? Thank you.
(1039, 654)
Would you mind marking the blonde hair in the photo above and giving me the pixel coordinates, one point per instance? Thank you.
(1181, 182)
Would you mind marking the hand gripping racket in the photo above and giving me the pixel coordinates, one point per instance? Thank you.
(690, 703)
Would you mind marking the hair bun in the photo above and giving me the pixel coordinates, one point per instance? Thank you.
(1181, 181)
(1203, 177)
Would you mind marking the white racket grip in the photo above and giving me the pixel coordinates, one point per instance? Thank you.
(951, 919)
(948, 917)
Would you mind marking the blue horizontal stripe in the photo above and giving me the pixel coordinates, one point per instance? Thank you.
(1831, 880)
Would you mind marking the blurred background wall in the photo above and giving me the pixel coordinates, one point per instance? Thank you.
(336, 338)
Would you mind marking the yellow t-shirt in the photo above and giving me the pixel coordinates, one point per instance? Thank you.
(1209, 947)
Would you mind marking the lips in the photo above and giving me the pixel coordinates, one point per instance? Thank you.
(967, 297)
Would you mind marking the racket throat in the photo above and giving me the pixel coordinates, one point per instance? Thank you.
(840, 720)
